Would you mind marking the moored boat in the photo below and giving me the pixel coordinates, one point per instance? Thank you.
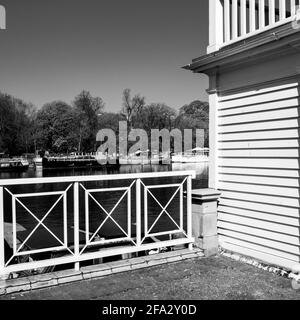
(38, 162)
(192, 156)
(13, 164)
(82, 161)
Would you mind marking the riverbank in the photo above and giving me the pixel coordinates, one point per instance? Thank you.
(214, 278)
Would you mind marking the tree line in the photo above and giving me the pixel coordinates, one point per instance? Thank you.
(59, 127)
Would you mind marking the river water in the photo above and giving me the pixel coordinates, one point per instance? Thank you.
(201, 169)
(39, 206)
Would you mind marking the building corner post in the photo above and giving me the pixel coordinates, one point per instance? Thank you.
(213, 130)
(205, 217)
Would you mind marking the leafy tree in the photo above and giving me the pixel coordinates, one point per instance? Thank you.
(60, 127)
(7, 124)
(15, 125)
(194, 116)
(156, 116)
(55, 127)
(196, 109)
(25, 117)
(109, 120)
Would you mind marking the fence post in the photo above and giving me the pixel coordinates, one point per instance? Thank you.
(189, 210)
(76, 224)
(2, 253)
(205, 219)
(138, 213)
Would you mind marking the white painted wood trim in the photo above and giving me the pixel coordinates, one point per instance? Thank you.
(2, 253)
(271, 12)
(262, 256)
(243, 15)
(234, 19)
(227, 30)
(261, 14)
(262, 199)
(276, 227)
(260, 135)
(259, 247)
(261, 163)
(112, 177)
(257, 172)
(282, 9)
(294, 249)
(257, 215)
(262, 233)
(272, 210)
(252, 98)
(293, 7)
(259, 87)
(265, 180)
(216, 32)
(213, 140)
(252, 18)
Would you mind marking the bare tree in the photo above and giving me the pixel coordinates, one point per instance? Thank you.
(131, 106)
(87, 109)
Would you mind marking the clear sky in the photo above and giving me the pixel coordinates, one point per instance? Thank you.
(53, 49)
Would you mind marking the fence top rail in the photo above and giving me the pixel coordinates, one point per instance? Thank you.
(72, 179)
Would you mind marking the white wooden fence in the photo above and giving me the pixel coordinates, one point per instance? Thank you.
(235, 20)
(78, 251)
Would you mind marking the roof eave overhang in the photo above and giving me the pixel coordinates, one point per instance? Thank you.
(264, 45)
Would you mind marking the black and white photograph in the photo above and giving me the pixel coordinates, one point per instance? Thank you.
(149, 153)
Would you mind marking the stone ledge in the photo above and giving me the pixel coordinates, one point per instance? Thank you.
(100, 267)
(174, 259)
(95, 271)
(67, 276)
(3, 284)
(155, 262)
(44, 284)
(17, 285)
(135, 261)
(206, 194)
(121, 269)
(118, 264)
(190, 256)
(200, 254)
(97, 274)
(73, 278)
(141, 265)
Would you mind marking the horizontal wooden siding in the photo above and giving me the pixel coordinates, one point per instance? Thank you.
(258, 173)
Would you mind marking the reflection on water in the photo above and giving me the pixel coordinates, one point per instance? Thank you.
(201, 169)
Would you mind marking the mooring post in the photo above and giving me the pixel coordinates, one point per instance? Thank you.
(205, 217)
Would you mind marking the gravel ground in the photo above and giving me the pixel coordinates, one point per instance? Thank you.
(215, 278)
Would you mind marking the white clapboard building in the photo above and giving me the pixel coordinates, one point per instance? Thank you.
(253, 65)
